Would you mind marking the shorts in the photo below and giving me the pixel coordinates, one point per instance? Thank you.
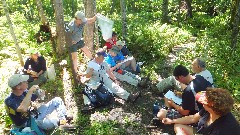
(173, 114)
(75, 47)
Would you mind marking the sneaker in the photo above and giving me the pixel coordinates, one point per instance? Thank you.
(140, 63)
(133, 97)
(87, 108)
(67, 127)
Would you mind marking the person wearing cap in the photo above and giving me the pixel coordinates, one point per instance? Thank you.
(118, 68)
(198, 68)
(122, 46)
(105, 76)
(189, 106)
(76, 27)
(35, 66)
(214, 119)
(20, 100)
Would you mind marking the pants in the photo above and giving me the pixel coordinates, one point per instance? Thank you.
(168, 83)
(55, 104)
(116, 89)
(40, 80)
(128, 77)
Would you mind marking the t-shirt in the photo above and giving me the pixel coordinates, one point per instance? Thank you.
(125, 51)
(12, 102)
(36, 66)
(119, 57)
(110, 60)
(206, 75)
(101, 73)
(225, 125)
(77, 31)
(188, 98)
(109, 44)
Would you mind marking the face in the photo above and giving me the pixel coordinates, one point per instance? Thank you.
(195, 67)
(34, 56)
(114, 37)
(120, 47)
(23, 85)
(78, 21)
(113, 54)
(181, 79)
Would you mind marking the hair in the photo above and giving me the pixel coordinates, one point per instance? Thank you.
(221, 100)
(114, 34)
(100, 51)
(180, 70)
(201, 62)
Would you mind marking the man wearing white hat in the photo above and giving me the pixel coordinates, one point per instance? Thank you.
(19, 102)
(76, 27)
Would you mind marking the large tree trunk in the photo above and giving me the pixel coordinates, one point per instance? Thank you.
(41, 12)
(189, 7)
(165, 11)
(124, 19)
(235, 29)
(12, 33)
(90, 9)
(58, 7)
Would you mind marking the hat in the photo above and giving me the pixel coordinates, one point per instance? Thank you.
(15, 79)
(102, 52)
(120, 43)
(32, 51)
(80, 15)
(201, 97)
(115, 49)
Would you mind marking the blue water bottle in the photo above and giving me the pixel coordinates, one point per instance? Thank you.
(156, 106)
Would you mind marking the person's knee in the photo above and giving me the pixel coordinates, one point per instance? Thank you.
(57, 100)
(161, 114)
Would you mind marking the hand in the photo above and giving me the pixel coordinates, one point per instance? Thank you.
(74, 42)
(166, 121)
(34, 88)
(34, 73)
(119, 64)
(178, 94)
(29, 71)
(117, 82)
(170, 102)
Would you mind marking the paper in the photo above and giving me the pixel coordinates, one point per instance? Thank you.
(93, 65)
(171, 95)
(106, 26)
(127, 59)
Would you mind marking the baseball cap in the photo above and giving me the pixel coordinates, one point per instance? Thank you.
(201, 97)
(80, 15)
(120, 43)
(115, 49)
(102, 52)
(32, 51)
(15, 79)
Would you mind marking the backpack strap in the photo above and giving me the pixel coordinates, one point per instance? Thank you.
(194, 94)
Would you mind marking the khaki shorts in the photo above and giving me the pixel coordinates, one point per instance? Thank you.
(75, 47)
(168, 83)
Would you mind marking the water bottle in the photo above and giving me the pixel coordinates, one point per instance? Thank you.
(156, 108)
(40, 94)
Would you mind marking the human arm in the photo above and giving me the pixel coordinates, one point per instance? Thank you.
(91, 20)
(27, 99)
(178, 108)
(111, 75)
(184, 120)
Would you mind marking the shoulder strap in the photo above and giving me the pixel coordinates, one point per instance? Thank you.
(194, 94)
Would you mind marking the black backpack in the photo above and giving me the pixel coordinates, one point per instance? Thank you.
(99, 97)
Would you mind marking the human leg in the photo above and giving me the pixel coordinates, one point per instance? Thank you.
(183, 129)
(132, 64)
(126, 77)
(87, 52)
(74, 59)
(168, 83)
(162, 114)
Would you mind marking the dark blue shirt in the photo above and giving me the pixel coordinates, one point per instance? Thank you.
(36, 66)
(12, 102)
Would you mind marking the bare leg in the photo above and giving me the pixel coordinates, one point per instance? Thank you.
(87, 52)
(131, 63)
(183, 129)
(74, 58)
(166, 102)
(162, 114)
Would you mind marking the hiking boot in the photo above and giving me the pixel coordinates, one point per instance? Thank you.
(133, 97)
(143, 83)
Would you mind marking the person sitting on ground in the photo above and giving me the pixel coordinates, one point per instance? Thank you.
(111, 42)
(189, 106)
(122, 46)
(20, 100)
(76, 27)
(100, 72)
(118, 68)
(215, 118)
(198, 68)
(35, 66)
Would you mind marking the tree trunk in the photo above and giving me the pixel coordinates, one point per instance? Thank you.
(90, 9)
(124, 19)
(112, 6)
(234, 8)
(189, 7)
(58, 7)
(235, 30)
(41, 12)
(165, 11)
(18, 50)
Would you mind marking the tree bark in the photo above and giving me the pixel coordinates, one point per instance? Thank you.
(41, 12)
(124, 19)
(90, 10)
(189, 7)
(18, 50)
(234, 8)
(58, 7)
(165, 11)
(235, 29)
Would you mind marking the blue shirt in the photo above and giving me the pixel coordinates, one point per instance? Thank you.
(12, 102)
(119, 57)
(110, 60)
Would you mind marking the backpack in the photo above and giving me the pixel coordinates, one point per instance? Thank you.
(99, 97)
